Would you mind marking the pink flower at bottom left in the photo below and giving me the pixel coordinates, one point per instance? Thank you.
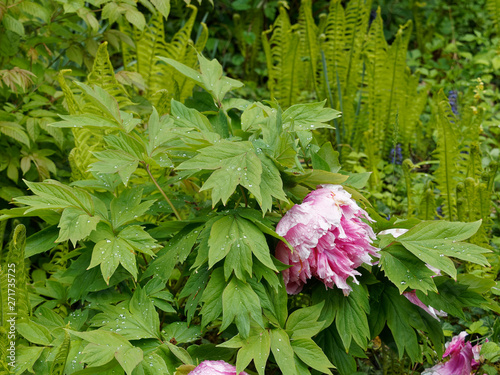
(215, 368)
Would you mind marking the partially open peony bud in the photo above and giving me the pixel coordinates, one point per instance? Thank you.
(329, 238)
(412, 297)
(215, 368)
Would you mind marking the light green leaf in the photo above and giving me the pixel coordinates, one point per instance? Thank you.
(159, 130)
(434, 241)
(15, 131)
(127, 207)
(183, 69)
(235, 163)
(143, 309)
(26, 356)
(180, 353)
(239, 304)
(75, 225)
(316, 177)
(210, 78)
(405, 270)
(312, 355)
(444, 230)
(282, 351)
(111, 252)
(34, 332)
(104, 346)
(136, 18)
(13, 24)
(255, 348)
(213, 81)
(490, 351)
(308, 116)
(102, 100)
(358, 180)
(189, 118)
(126, 142)
(153, 364)
(129, 358)
(162, 6)
(113, 161)
(87, 120)
(139, 239)
(303, 323)
(271, 184)
(52, 194)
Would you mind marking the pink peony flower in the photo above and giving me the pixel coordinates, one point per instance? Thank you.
(476, 352)
(412, 297)
(461, 358)
(328, 237)
(215, 368)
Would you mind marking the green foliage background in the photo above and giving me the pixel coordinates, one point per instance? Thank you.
(149, 148)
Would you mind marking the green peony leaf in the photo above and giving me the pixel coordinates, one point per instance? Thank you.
(312, 355)
(75, 225)
(283, 351)
(241, 305)
(234, 163)
(405, 270)
(303, 323)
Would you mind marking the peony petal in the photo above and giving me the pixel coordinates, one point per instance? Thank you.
(412, 297)
(215, 368)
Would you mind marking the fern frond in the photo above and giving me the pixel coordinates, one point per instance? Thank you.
(411, 104)
(357, 15)
(72, 104)
(103, 75)
(308, 44)
(152, 44)
(187, 85)
(377, 77)
(283, 61)
(397, 88)
(3, 226)
(447, 154)
(148, 45)
(427, 206)
(334, 44)
(128, 53)
(13, 269)
(493, 7)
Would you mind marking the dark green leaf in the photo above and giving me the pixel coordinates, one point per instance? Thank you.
(405, 270)
(311, 354)
(241, 304)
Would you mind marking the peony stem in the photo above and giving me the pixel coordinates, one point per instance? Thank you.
(162, 192)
